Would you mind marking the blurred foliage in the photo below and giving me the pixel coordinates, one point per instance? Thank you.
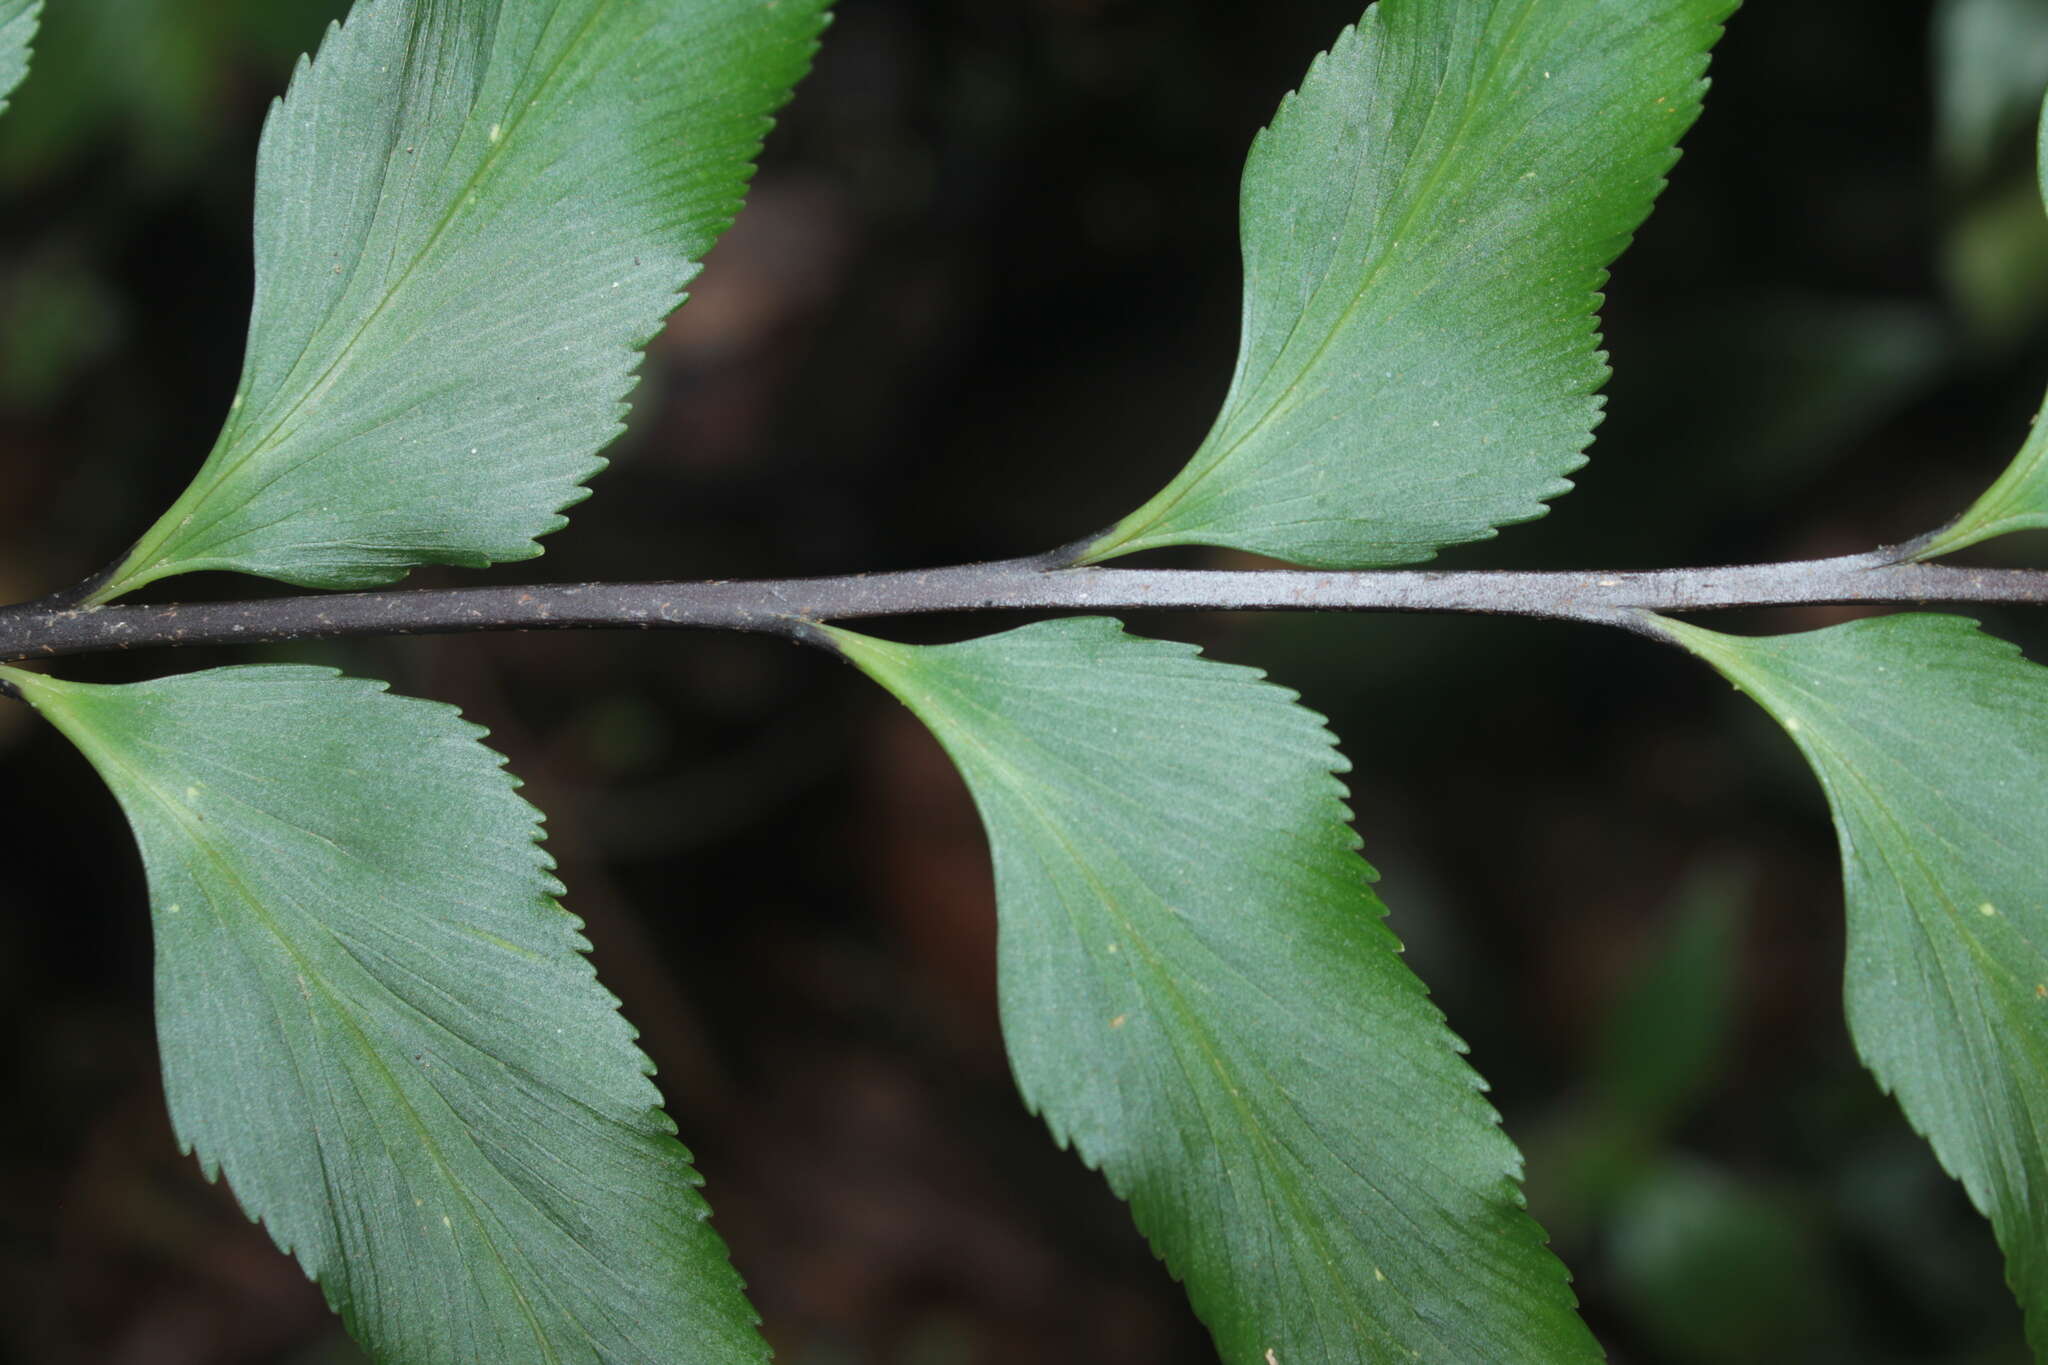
(147, 81)
(1711, 1266)
(1990, 67)
(991, 264)
(1717, 1271)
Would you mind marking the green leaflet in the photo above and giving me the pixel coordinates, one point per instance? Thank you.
(1932, 743)
(17, 30)
(2018, 501)
(377, 1021)
(470, 215)
(1199, 995)
(1426, 226)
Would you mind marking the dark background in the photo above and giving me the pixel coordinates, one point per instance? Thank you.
(983, 302)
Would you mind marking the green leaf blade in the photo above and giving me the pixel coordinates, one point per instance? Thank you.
(378, 1023)
(18, 21)
(471, 215)
(1200, 997)
(1931, 741)
(1426, 227)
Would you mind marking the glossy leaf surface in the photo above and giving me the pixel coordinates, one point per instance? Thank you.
(1426, 225)
(1200, 996)
(17, 30)
(1931, 741)
(378, 1023)
(470, 216)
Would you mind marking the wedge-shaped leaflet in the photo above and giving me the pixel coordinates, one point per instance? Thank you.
(1932, 743)
(17, 30)
(2018, 501)
(377, 1021)
(1199, 994)
(1426, 224)
(470, 215)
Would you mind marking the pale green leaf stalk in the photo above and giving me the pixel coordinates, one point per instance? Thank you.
(1427, 225)
(1931, 741)
(379, 1025)
(18, 19)
(470, 217)
(1200, 996)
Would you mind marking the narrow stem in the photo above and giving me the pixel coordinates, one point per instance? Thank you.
(790, 607)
